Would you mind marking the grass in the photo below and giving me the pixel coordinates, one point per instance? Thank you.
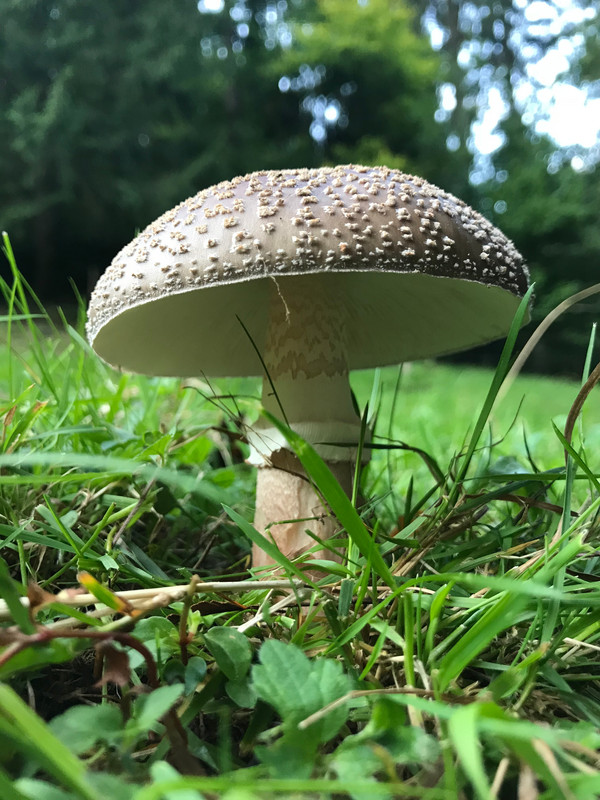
(458, 658)
(433, 407)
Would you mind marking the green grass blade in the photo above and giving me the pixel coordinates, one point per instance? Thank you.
(12, 598)
(28, 731)
(462, 728)
(497, 380)
(496, 619)
(265, 544)
(577, 459)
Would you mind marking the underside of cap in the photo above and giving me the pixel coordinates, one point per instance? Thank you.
(393, 318)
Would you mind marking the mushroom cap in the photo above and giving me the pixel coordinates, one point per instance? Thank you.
(418, 271)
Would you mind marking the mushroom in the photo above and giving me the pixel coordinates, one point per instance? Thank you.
(320, 271)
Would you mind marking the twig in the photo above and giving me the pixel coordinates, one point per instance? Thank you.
(260, 614)
(43, 635)
(578, 404)
(140, 501)
(499, 776)
(176, 734)
(428, 693)
(135, 596)
(188, 599)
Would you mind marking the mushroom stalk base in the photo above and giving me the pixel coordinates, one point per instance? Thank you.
(287, 505)
(305, 360)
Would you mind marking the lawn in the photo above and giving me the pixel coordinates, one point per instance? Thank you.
(434, 406)
(458, 658)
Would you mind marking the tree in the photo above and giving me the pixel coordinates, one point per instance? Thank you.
(550, 211)
(366, 81)
(497, 72)
(113, 112)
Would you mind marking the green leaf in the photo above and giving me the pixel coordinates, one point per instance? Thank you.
(231, 650)
(241, 692)
(114, 787)
(292, 756)
(36, 790)
(358, 763)
(388, 730)
(195, 672)
(159, 635)
(162, 772)
(385, 715)
(149, 629)
(107, 786)
(585, 787)
(81, 727)
(101, 592)
(297, 687)
(108, 562)
(149, 708)
(329, 680)
(53, 652)
(281, 680)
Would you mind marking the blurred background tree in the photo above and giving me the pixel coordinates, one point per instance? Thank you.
(519, 97)
(111, 112)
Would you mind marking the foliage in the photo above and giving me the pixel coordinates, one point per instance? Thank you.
(453, 653)
(459, 659)
(522, 179)
(557, 233)
(115, 112)
(364, 63)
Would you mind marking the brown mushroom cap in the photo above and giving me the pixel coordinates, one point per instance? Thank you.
(418, 272)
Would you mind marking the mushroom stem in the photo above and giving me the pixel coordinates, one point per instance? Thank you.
(287, 506)
(305, 358)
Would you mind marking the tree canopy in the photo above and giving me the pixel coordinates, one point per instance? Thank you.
(112, 112)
